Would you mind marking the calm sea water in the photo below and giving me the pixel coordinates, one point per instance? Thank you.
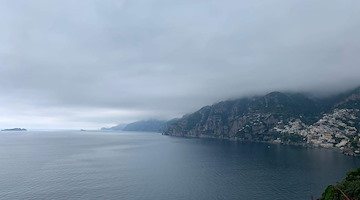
(129, 165)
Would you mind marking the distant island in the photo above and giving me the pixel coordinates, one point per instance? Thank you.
(14, 129)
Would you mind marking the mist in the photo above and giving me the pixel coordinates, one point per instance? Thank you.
(88, 64)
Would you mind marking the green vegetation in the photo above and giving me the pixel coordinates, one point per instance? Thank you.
(287, 118)
(348, 189)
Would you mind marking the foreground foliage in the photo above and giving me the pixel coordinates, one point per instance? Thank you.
(348, 189)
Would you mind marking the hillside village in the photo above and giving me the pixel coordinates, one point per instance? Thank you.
(285, 118)
(333, 130)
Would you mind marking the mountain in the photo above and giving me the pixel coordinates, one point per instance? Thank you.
(119, 127)
(143, 126)
(149, 125)
(349, 188)
(287, 118)
(146, 126)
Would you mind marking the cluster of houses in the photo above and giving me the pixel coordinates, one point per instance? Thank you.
(336, 129)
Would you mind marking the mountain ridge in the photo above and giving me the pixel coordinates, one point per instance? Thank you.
(152, 125)
(145, 126)
(289, 118)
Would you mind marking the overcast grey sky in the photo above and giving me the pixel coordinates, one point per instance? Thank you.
(94, 63)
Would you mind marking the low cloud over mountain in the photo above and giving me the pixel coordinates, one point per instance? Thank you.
(87, 64)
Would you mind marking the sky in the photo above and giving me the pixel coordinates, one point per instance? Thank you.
(89, 64)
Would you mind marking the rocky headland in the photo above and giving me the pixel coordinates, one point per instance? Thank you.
(286, 118)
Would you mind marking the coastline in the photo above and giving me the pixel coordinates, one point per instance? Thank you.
(346, 152)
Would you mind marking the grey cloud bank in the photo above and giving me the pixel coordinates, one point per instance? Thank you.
(87, 64)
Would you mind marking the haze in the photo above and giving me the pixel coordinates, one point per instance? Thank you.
(94, 63)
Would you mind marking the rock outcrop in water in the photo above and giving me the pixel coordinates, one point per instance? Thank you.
(279, 117)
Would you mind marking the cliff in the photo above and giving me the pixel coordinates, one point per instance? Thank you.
(279, 117)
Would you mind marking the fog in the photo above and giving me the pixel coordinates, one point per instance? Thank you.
(88, 64)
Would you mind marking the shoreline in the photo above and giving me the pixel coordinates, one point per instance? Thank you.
(346, 152)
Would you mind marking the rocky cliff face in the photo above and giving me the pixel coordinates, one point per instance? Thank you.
(279, 117)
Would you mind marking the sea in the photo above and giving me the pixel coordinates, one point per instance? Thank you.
(142, 165)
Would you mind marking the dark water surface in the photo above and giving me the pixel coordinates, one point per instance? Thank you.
(129, 165)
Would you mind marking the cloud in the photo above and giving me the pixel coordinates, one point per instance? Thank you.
(132, 60)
